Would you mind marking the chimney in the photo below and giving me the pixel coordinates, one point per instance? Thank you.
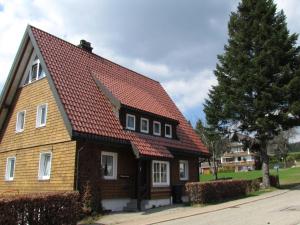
(85, 45)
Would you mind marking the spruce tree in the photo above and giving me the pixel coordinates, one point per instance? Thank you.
(258, 75)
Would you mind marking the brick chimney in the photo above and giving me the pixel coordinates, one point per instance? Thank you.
(85, 45)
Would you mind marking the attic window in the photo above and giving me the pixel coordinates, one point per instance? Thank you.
(130, 122)
(35, 72)
(168, 130)
(156, 128)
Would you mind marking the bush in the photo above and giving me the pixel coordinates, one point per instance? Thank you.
(35, 209)
(200, 193)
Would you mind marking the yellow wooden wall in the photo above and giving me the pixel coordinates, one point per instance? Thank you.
(28, 145)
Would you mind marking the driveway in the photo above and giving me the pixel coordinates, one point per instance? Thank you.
(280, 207)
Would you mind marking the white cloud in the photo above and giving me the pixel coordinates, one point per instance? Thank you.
(189, 93)
(150, 68)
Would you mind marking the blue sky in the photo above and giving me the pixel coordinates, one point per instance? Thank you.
(176, 44)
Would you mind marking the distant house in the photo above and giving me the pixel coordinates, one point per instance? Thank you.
(67, 113)
(238, 157)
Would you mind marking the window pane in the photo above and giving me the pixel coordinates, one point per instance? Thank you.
(182, 170)
(20, 121)
(43, 115)
(144, 125)
(46, 158)
(163, 173)
(157, 128)
(41, 72)
(130, 122)
(27, 78)
(34, 72)
(107, 162)
(168, 130)
(11, 167)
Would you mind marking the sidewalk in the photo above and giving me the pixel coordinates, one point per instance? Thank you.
(162, 214)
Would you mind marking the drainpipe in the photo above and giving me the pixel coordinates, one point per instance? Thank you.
(139, 198)
(77, 167)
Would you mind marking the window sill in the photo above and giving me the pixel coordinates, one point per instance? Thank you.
(128, 128)
(32, 82)
(157, 134)
(109, 178)
(39, 127)
(184, 179)
(160, 185)
(43, 179)
(19, 131)
(144, 132)
(9, 180)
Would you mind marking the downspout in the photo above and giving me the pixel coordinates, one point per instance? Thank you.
(77, 167)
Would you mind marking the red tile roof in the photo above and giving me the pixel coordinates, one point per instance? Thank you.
(89, 110)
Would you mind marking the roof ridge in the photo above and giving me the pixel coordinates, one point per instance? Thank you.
(95, 55)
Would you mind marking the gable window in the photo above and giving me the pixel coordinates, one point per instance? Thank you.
(10, 168)
(156, 128)
(160, 173)
(20, 121)
(144, 125)
(109, 162)
(183, 170)
(36, 72)
(45, 165)
(130, 122)
(168, 130)
(41, 115)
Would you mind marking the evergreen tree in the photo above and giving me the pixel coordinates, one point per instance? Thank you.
(258, 77)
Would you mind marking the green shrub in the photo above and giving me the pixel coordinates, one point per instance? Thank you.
(200, 193)
(40, 209)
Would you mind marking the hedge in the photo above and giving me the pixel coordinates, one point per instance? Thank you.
(213, 191)
(34, 209)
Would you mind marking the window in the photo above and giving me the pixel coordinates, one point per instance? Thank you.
(160, 173)
(144, 125)
(10, 168)
(45, 165)
(168, 130)
(183, 170)
(41, 115)
(20, 121)
(109, 162)
(36, 72)
(130, 122)
(156, 128)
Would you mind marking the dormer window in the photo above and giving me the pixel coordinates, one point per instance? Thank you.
(36, 72)
(144, 125)
(168, 131)
(130, 122)
(156, 128)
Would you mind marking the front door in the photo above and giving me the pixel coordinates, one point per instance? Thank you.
(145, 179)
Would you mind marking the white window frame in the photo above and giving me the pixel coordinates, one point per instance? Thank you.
(161, 184)
(17, 126)
(115, 165)
(170, 126)
(186, 175)
(38, 115)
(29, 74)
(133, 116)
(7, 173)
(40, 176)
(155, 133)
(147, 130)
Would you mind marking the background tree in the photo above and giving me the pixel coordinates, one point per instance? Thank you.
(279, 146)
(214, 141)
(258, 77)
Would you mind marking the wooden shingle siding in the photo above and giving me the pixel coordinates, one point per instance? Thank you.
(26, 146)
(28, 98)
(27, 166)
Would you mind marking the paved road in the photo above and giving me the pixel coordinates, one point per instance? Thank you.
(283, 209)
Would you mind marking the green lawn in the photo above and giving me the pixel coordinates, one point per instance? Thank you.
(288, 176)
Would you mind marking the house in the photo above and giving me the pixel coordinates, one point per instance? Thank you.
(239, 157)
(66, 114)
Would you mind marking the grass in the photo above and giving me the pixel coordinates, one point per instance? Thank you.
(288, 177)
